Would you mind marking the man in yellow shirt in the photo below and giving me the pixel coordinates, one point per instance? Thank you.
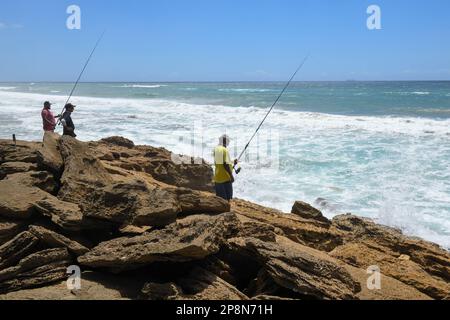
(223, 176)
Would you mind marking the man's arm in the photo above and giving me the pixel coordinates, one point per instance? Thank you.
(227, 167)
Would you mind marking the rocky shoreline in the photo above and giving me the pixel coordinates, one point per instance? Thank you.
(142, 227)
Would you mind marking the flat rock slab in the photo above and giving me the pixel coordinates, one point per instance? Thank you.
(192, 238)
(17, 248)
(56, 240)
(17, 201)
(39, 268)
(65, 214)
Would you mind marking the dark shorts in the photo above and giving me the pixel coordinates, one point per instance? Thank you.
(224, 190)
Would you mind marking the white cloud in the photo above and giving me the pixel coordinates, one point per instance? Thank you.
(4, 25)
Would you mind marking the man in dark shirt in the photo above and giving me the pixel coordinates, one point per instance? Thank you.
(66, 121)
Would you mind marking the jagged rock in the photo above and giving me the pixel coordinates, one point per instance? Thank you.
(305, 231)
(298, 268)
(22, 152)
(192, 238)
(49, 156)
(55, 240)
(17, 201)
(19, 247)
(307, 211)
(83, 172)
(158, 162)
(15, 167)
(193, 202)
(94, 286)
(363, 255)
(367, 243)
(39, 179)
(119, 141)
(161, 291)
(390, 288)
(65, 214)
(134, 202)
(39, 268)
(9, 229)
(201, 284)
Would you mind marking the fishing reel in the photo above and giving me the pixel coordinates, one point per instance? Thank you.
(237, 169)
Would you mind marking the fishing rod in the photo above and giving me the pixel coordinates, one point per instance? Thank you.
(268, 113)
(81, 73)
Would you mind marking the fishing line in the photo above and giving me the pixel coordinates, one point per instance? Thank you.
(81, 73)
(271, 108)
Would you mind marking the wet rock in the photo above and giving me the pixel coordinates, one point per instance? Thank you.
(192, 238)
(306, 211)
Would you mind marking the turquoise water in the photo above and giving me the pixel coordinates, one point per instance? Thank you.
(378, 149)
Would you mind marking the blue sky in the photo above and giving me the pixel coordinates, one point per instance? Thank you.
(225, 40)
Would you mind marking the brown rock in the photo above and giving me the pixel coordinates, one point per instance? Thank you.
(39, 268)
(83, 172)
(201, 284)
(55, 240)
(15, 167)
(17, 201)
(432, 258)
(192, 238)
(23, 152)
(119, 141)
(19, 247)
(306, 211)
(39, 179)
(134, 202)
(305, 231)
(162, 291)
(49, 156)
(298, 268)
(391, 289)
(363, 255)
(194, 202)
(9, 229)
(65, 214)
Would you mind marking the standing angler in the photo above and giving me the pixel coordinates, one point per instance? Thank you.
(48, 119)
(66, 121)
(223, 177)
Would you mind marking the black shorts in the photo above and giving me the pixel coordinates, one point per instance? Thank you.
(224, 190)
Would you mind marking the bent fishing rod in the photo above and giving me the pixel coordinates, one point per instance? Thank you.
(268, 113)
(81, 74)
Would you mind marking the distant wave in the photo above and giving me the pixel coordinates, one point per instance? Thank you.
(246, 90)
(406, 93)
(7, 88)
(151, 86)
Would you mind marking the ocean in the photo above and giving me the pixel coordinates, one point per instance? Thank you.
(375, 149)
